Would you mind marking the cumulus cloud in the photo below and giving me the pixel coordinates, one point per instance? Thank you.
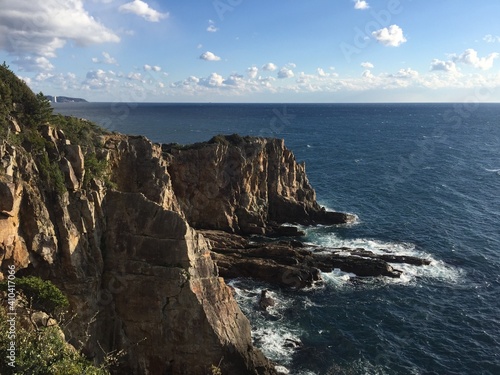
(209, 56)
(445, 66)
(211, 27)
(391, 36)
(33, 31)
(98, 79)
(108, 59)
(252, 72)
(407, 73)
(470, 57)
(269, 67)
(321, 72)
(491, 38)
(361, 4)
(154, 68)
(214, 80)
(134, 76)
(367, 74)
(33, 64)
(285, 73)
(367, 65)
(142, 9)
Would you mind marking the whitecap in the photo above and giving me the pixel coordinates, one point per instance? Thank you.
(337, 277)
(271, 332)
(282, 369)
(436, 270)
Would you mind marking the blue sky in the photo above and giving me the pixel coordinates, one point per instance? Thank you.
(255, 50)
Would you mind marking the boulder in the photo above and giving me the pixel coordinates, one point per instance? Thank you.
(265, 300)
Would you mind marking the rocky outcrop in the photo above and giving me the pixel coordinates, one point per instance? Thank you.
(292, 264)
(138, 277)
(244, 185)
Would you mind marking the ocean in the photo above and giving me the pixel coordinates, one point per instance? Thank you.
(423, 179)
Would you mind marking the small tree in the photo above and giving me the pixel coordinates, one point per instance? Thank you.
(44, 110)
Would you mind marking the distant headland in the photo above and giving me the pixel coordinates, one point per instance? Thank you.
(64, 99)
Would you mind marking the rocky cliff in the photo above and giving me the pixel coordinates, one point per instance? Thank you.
(139, 277)
(244, 185)
(121, 245)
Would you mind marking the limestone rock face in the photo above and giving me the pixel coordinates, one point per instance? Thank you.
(243, 185)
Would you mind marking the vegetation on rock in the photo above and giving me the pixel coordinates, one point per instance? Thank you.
(40, 349)
(33, 113)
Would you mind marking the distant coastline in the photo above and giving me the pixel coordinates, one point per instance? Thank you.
(64, 99)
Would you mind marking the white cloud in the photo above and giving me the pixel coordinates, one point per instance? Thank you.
(235, 80)
(367, 74)
(407, 73)
(285, 73)
(211, 27)
(32, 30)
(252, 72)
(269, 67)
(491, 38)
(209, 56)
(321, 72)
(98, 79)
(470, 57)
(142, 9)
(445, 66)
(391, 36)
(33, 64)
(135, 77)
(107, 59)
(361, 4)
(154, 68)
(214, 80)
(367, 65)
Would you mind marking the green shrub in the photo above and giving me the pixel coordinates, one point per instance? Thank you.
(94, 168)
(42, 294)
(42, 351)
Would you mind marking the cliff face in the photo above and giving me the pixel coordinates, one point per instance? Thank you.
(138, 277)
(244, 185)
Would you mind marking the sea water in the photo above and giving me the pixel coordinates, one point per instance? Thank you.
(423, 179)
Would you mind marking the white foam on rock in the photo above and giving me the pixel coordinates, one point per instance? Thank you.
(437, 269)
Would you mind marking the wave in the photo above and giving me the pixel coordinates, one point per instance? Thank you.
(271, 331)
(436, 270)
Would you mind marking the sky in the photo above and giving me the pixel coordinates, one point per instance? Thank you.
(255, 50)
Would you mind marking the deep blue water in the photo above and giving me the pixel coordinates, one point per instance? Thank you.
(424, 179)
